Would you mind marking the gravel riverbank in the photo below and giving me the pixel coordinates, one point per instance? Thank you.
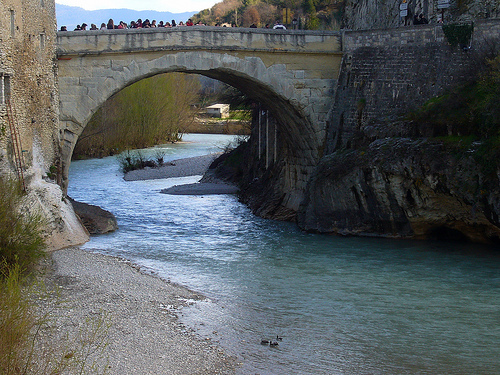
(141, 330)
(176, 168)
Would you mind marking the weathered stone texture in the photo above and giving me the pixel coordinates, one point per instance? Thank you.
(27, 54)
(398, 187)
(381, 14)
(386, 74)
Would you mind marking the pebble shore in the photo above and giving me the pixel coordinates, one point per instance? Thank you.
(177, 168)
(139, 311)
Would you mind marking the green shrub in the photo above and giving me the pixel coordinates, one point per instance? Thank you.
(21, 240)
(468, 110)
(16, 322)
(130, 161)
(458, 34)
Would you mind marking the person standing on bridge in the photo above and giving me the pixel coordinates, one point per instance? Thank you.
(279, 26)
(111, 24)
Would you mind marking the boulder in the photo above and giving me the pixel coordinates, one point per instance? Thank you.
(94, 218)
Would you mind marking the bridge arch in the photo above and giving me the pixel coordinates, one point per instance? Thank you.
(297, 99)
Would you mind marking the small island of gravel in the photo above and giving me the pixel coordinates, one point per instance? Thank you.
(183, 168)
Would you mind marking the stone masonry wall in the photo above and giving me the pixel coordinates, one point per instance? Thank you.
(28, 50)
(385, 74)
(29, 80)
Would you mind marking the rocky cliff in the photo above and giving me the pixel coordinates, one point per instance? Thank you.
(384, 175)
(380, 14)
(399, 187)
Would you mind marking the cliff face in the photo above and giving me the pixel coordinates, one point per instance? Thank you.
(380, 14)
(398, 187)
(384, 175)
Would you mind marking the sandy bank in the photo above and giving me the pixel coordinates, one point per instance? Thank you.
(176, 168)
(145, 336)
(204, 188)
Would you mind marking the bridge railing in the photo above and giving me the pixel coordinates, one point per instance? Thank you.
(197, 37)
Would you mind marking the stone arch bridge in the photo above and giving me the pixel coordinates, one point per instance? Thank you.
(291, 72)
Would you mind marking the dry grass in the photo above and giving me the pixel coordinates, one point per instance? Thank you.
(21, 318)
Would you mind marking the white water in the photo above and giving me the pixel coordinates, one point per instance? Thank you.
(342, 305)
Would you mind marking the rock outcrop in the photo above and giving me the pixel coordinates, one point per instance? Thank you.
(94, 218)
(379, 14)
(406, 189)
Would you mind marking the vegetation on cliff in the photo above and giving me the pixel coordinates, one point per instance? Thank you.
(152, 111)
(309, 14)
(469, 116)
(21, 240)
(21, 245)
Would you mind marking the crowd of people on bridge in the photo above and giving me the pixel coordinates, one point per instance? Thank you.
(146, 24)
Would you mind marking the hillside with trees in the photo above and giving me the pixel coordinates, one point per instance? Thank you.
(308, 14)
(337, 14)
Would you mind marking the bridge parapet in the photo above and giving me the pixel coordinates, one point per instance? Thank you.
(198, 37)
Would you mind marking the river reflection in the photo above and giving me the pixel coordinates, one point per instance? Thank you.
(342, 305)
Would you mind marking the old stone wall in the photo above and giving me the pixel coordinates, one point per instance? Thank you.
(27, 59)
(387, 73)
(29, 83)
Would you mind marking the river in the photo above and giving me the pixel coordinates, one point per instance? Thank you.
(341, 305)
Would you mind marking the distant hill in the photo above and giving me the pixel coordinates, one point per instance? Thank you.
(71, 16)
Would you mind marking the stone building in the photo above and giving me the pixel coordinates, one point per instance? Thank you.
(218, 110)
(29, 114)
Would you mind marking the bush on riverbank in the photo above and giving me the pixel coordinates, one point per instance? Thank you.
(467, 119)
(21, 318)
(21, 240)
(21, 246)
(468, 110)
(130, 161)
(152, 111)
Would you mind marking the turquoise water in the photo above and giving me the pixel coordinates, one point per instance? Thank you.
(342, 305)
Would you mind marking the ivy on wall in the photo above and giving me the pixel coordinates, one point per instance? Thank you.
(458, 34)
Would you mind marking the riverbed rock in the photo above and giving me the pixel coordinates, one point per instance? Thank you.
(94, 218)
(403, 188)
